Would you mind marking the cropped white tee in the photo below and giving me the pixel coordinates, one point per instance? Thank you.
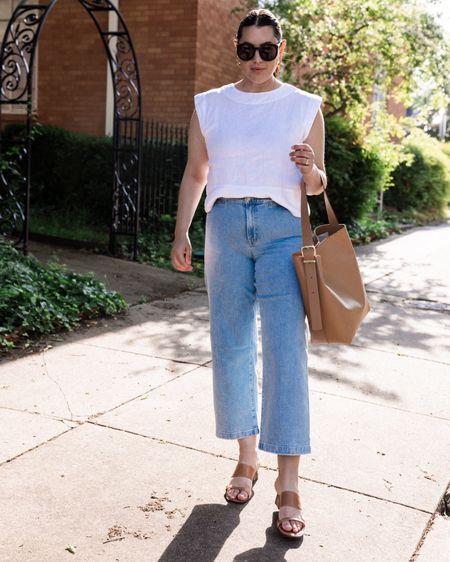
(249, 137)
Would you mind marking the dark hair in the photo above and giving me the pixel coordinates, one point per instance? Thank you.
(260, 18)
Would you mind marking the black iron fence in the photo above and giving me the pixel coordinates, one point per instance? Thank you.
(164, 158)
(77, 176)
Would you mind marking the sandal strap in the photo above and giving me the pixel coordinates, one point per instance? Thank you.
(241, 482)
(288, 512)
(245, 470)
(291, 499)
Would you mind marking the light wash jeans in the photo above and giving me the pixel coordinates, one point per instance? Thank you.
(248, 264)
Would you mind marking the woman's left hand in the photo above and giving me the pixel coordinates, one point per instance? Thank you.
(303, 157)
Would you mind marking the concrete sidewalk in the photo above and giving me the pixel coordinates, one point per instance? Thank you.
(108, 449)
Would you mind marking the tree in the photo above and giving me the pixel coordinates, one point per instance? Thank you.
(342, 49)
(347, 50)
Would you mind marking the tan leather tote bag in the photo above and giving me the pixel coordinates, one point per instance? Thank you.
(332, 288)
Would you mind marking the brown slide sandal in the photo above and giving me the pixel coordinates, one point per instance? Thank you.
(244, 477)
(290, 509)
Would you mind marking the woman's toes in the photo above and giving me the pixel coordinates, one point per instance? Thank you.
(242, 495)
(236, 493)
(289, 526)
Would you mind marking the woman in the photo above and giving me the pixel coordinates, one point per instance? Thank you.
(251, 142)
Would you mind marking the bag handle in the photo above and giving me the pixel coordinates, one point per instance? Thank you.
(306, 223)
(308, 252)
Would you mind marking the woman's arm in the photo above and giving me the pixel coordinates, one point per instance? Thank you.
(315, 176)
(191, 189)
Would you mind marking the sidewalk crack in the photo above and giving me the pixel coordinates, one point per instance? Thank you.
(44, 365)
(421, 303)
(73, 423)
(164, 441)
(437, 513)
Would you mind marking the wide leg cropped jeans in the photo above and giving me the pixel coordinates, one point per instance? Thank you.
(248, 266)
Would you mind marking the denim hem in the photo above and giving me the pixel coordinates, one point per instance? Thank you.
(237, 435)
(285, 450)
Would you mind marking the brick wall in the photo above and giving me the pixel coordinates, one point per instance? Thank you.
(72, 70)
(183, 47)
(215, 55)
(163, 33)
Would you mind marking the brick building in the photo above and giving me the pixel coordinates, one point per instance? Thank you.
(182, 46)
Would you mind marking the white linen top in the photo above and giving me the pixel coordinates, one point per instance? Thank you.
(248, 138)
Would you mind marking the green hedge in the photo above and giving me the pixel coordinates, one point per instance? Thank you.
(354, 175)
(38, 299)
(424, 184)
(73, 171)
(70, 171)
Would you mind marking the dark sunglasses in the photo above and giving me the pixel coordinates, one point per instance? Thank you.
(267, 51)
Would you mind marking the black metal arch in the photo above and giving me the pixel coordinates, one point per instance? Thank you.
(16, 79)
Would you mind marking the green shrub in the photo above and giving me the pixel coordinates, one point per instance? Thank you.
(424, 184)
(367, 229)
(354, 175)
(75, 224)
(445, 147)
(156, 250)
(70, 171)
(38, 299)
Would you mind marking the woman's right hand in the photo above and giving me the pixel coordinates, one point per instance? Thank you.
(191, 188)
(181, 253)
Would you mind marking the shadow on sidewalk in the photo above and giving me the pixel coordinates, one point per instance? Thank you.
(176, 327)
(209, 526)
